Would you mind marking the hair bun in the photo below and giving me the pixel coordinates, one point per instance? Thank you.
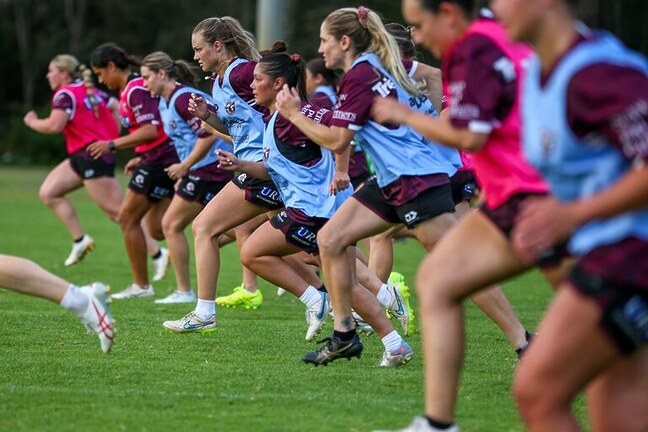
(295, 58)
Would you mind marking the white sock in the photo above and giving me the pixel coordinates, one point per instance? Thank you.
(311, 296)
(205, 308)
(384, 296)
(392, 341)
(75, 300)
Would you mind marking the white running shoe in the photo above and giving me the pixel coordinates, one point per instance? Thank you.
(178, 297)
(316, 316)
(79, 250)
(96, 318)
(399, 357)
(420, 424)
(399, 308)
(362, 326)
(280, 291)
(161, 265)
(192, 323)
(134, 291)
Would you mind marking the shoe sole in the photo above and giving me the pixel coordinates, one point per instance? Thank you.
(89, 248)
(238, 306)
(326, 363)
(201, 332)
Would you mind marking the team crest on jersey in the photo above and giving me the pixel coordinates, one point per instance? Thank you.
(266, 153)
(230, 108)
(173, 125)
(548, 143)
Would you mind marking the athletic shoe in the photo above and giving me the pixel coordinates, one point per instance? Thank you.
(134, 291)
(420, 424)
(161, 265)
(96, 318)
(192, 323)
(178, 297)
(316, 316)
(79, 250)
(398, 357)
(333, 350)
(520, 351)
(362, 326)
(399, 306)
(280, 292)
(241, 298)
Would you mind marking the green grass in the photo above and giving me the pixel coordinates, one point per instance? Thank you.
(246, 377)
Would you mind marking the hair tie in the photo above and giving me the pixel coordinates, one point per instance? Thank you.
(295, 58)
(362, 16)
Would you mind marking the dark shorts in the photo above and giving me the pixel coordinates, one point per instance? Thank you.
(263, 193)
(615, 276)
(463, 186)
(88, 168)
(193, 188)
(428, 204)
(151, 181)
(360, 179)
(300, 229)
(504, 219)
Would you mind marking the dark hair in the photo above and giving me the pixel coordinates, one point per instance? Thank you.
(291, 67)
(403, 38)
(317, 66)
(111, 52)
(176, 69)
(433, 5)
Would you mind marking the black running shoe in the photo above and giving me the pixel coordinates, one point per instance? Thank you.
(333, 350)
(529, 338)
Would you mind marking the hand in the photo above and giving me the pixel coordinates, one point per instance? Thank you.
(131, 165)
(541, 223)
(288, 102)
(30, 117)
(341, 181)
(388, 110)
(176, 171)
(198, 107)
(227, 160)
(98, 149)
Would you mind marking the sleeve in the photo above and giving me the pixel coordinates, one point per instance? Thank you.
(181, 106)
(354, 102)
(63, 100)
(611, 101)
(144, 106)
(482, 85)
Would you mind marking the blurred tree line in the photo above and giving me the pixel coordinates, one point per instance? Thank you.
(32, 32)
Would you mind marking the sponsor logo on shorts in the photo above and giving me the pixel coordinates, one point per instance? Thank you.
(190, 187)
(241, 178)
(88, 173)
(139, 179)
(411, 216)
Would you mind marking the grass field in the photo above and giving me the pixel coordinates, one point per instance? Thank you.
(246, 377)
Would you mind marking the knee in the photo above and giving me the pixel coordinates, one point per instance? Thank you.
(204, 228)
(127, 221)
(434, 286)
(156, 232)
(170, 226)
(46, 196)
(247, 256)
(528, 394)
(329, 242)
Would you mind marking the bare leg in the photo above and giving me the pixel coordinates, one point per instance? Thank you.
(131, 213)
(58, 183)
(27, 277)
(242, 233)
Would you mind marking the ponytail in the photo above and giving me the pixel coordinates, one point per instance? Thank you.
(86, 76)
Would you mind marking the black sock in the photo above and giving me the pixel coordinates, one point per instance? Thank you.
(79, 239)
(344, 336)
(438, 424)
(158, 254)
(322, 289)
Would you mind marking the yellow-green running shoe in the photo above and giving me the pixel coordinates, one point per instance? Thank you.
(399, 307)
(240, 298)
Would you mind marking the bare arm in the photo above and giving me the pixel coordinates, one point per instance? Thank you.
(145, 134)
(229, 162)
(200, 150)
(198, 107)
(53, 124)
(432, 78)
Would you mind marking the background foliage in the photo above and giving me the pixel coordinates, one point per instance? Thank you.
(34, 31)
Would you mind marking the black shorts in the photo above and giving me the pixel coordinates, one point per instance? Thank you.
(263, 193)
(151, 181)
(463, 186)
(300, 230)
(92, 168)
(429, 204)
(614, 276)
(360, 179)
(192, 188)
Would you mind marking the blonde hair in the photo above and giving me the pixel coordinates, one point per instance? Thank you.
(367, 33)
(229, 31)
(68, 63)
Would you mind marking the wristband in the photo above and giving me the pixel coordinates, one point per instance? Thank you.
(111, 146)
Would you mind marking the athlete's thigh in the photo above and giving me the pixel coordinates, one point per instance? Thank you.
(61, 180)
(105, 191)
(181, 212)
(228, 209)
(472, 255)
(268, 240)
(354, 221)
(430, 231)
